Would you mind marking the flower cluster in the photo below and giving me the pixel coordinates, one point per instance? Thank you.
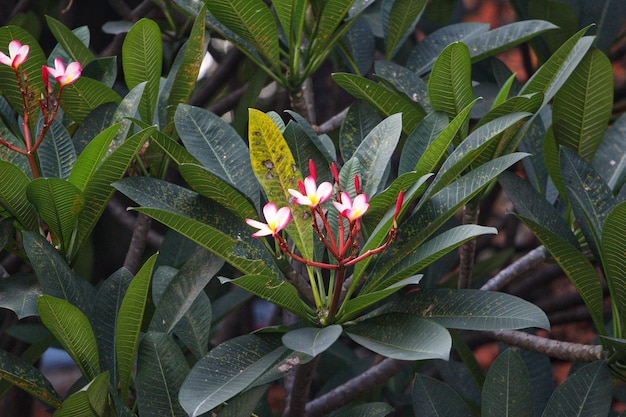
(48, 103)
(344, 248)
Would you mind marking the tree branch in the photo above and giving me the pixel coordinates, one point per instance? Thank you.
(299, 393)
(137, 244)
(517, 268)
(467, 251)
(333, 123)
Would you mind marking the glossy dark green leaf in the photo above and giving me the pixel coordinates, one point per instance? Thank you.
(13, 196)
(403, 80)
(275, 290)
(244, 403)
(205, 222)
(84, 96)
(72, 45)
(374, 153)
(507, 390)
(402, 336)
(73, 330)
(575, 265)
(471, 309)
(606, 15)
(251, 20)
(450, 82)
(161, 370)
(131, 310)
(55, 276)
(91, 401)
(586, 393)
(91, 157)
(56, 153)
(590, 197)
(142, 54)
(227, 370)
(610, 157)
(312, 340)
(359, 121)
(555, 71)
(291, 14)
(8, 132)
(613, 251)
(383, 100)
(327, 28)
(359, 44)
(19, 293)
(425, 53)
(400, 22)
(105, 317)
(433, 398)
(97, 122)
(420, 139)
(182, 291)
(305, 146)
(583, 105)
(25, 376)
(59, 204)
(102, 69)
(99, 190)
(217, 147)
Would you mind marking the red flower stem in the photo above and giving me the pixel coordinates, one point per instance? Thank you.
(285, 248)
(334, 304)
(13, 147)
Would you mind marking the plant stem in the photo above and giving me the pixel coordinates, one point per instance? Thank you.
(302, 101)
(468, 249)
(299, 395)
(137, 243)
(517, 268)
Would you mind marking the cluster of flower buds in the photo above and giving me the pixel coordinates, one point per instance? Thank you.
(344, 249)
(48, 103)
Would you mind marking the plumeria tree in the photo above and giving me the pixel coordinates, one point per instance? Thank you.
(361, 236)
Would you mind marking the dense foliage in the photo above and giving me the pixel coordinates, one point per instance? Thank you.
(360, 236)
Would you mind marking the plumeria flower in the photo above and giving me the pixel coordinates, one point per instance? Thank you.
(352, 210)
(17, 55)
(64, 76)
(310, 194)
(276, 219)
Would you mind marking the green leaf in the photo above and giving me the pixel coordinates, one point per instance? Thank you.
(105, 317)
(201, 220)
(583, 105)
(420, 139)
(97, 122)
(359, 121)
(610, 158)
(142, 54)
(397, 77)
(72, 45)
(400, 23)
(84, 96)
(275, 169)
(32, 67)
(383, 100)
(359, 46)
(505, 37)
(613, 250)
(326, 29)
(450, 82)
(127, 330)
(374, 153)
(72, 329)
(576, 266)
(244, 403)
(227, 370)
(507, 390)
(591, 199)
(161, 370)
(253, 21)
(586, 393)
(305, 146)
(275, 290)
(91, 401)
(99, 190)
(181, 82)
(470, 309)
(91, 157)
(211, 186)
(56, 153)
(25, 376)
(402, 336)
(554, 72)
(184, 289)
(54, 274)
(425, 53)
(433, 398)
(426, 254)
(20, 293)
(59, 204)
(312, 340)
(13, 196)
(291, 14)
(217, 147)
(102, 69)
(368, 410)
